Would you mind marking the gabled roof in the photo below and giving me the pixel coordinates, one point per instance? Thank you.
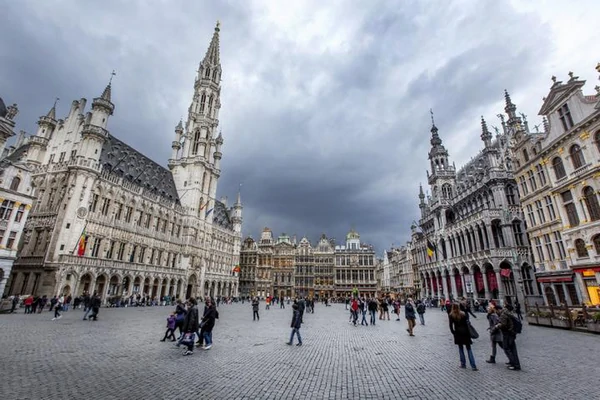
(16, 155)
(559, 93)
(123, 160)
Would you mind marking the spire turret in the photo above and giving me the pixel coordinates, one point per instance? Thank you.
(212, 54)
(486, 135)
(514, 121)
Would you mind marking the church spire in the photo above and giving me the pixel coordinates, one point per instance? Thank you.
(212, 54)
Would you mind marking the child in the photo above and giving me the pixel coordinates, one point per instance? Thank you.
(170, 333)
(296, 323)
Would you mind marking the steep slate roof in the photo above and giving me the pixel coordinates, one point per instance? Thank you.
(135, 167)
(16, 155)
(221, 216)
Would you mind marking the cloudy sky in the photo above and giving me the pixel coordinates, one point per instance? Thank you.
(325, 108)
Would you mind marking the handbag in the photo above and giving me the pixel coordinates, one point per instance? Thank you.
(472, 331)
(188, 339)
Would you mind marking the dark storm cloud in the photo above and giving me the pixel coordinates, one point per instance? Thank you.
(325, 107)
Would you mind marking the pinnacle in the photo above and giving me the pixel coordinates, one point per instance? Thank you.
(107, 92)
(212, 54)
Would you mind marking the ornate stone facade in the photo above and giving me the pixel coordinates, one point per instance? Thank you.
(558, 170)
(286, 268)
(473, 225)
(108, 219)
(15, 194)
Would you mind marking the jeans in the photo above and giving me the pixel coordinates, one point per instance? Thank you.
(56, 312)
(87, 311)
(373, 312)
(364, 318)
(255, 316)
(422, 318)
(461, 353)
(510, 348)
(297, 332)
(208, 338)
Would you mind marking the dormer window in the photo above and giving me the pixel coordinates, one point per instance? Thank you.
(565, 117)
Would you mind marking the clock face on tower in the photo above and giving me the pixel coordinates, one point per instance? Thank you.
(82, 212)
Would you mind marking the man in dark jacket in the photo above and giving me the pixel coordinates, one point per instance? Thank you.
(296, 324)
(508, 337)
(301, 308)
(87, 307)
(190, 325)
(409, 314)
(255, 315)
(95, 303)
(208, 323)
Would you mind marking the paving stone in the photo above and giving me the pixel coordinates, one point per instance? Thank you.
(120, 356)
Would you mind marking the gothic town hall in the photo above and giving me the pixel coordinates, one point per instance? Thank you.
(108, 219)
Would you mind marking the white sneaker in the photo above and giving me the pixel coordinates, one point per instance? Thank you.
(60, 316)
(53, 319)
(207, 347)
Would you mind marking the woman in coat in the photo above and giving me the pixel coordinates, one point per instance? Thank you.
(459, 326)
(495, 334)
(208, 323)
(190, 325)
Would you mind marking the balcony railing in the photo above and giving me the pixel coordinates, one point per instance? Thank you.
(108, 263)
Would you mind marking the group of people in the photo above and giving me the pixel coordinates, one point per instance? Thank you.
(186, 319)
(360, 307)
(504, 325)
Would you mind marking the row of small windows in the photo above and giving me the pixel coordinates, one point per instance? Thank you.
(551, 241)
(115, 250)
(362, 260)
(126, 213)
(539, 216)
(7, 208)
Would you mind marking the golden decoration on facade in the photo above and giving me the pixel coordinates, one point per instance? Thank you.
(561, 150)
(584, 135)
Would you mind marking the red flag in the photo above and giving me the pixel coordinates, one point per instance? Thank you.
(82, 244)
(505, 272)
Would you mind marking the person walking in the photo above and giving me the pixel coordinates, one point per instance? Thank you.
(255, 315)
(518, 310)
(190, 326)
(421, 311)
(208, 323)
(354, 310)
(372, 305)
(87, 305)
(180, 312)
(95, 303)
(57, 309)
(495, 334)
(15, 303)
(459, 326)
(363, 310)
(296, 324)
(409, 314)
(170, 333)
(506, 325)
(301, 308)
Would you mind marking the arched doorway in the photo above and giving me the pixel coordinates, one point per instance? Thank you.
(125, 286)
(508, 282)
(66, 290)
(137, 283)
(458, 283)
(179, 288)
(467, 279)
(491, 279)
(479, 286)
(146, 290)
(190, 287)
(206, 288)
(163, 289)
(173, 288)
(101, 286)
(113, 286)
(84, 285)
(155, 288)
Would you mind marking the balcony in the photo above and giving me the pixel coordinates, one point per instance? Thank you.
(120, 265)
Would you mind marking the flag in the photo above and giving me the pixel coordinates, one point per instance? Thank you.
(430, 249)
(237, 268)
(82, 244)
(208, 212)
(202, 207)
(505, 272)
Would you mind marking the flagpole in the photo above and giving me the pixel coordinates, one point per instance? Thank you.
(79, 238)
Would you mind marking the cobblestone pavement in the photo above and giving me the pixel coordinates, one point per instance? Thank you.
(120, 357)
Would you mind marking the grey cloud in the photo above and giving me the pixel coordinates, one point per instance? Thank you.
(322, 136)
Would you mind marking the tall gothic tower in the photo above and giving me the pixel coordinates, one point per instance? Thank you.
(443, 175)
(196, 154)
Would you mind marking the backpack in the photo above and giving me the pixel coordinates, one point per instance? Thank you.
(517, 325)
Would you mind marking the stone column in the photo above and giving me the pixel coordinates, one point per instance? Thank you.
(445, 286)
(543, 285)
(501, 293)
(462, 279)
(486, 287)
(490, 237)
(453, 286)
(556, 298)
(567, 296)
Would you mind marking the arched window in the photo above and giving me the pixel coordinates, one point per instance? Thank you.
(202, 102)
(577, 156)
(559, 168)
(596, 241)
(215, 76)
(510, 195)
(591, 202)
(14, 185)
(580, 248)
(207, 74)
(525, 155)
(210, 104)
